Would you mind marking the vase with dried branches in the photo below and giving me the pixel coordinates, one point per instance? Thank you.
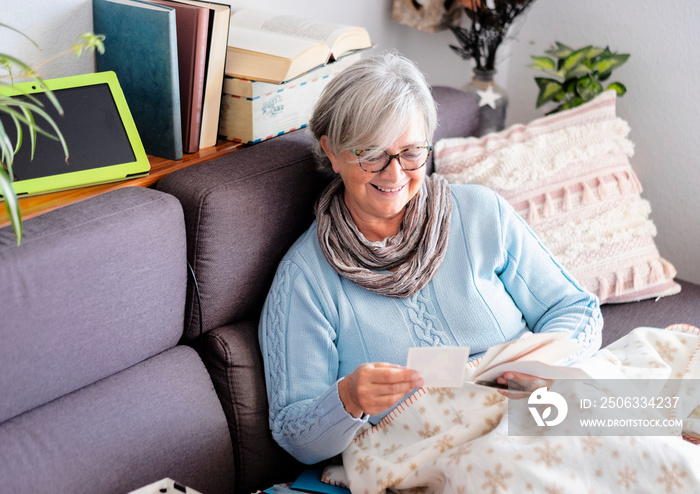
(490, 23)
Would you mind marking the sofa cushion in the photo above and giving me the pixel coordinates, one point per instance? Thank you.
(160, 418)
(682, 308)
(95, 287)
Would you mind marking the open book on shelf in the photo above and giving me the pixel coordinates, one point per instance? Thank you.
(535, 354)
(275, 48)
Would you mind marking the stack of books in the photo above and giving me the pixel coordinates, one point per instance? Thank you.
(276, 67)
(169, 57)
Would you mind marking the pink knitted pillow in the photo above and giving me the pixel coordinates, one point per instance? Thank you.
(568, 175)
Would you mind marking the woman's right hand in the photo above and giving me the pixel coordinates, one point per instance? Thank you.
(375, 387)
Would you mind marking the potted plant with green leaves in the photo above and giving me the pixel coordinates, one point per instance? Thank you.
(576, 75)
(24, 117)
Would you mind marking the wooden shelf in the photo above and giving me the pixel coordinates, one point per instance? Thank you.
(160, 167)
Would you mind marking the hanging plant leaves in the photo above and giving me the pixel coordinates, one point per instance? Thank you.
(11, 204)
(23, 111)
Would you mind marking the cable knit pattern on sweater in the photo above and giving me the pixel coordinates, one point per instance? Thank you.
(276, 311)
(303, 418)
(426, 325)
(496, 282)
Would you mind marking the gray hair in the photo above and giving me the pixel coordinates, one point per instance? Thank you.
(369, 106)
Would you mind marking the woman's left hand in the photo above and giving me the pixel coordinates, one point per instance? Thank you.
(525, 384)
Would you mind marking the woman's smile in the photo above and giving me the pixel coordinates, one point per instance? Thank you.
(388, 190)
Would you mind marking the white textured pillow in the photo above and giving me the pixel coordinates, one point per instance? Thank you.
(568, 175)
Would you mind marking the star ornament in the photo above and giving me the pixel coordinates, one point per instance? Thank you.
(488, 97)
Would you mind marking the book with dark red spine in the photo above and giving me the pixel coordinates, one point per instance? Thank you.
(216, 61)
(192, 38)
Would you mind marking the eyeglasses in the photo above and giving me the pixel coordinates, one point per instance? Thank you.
(376, 161)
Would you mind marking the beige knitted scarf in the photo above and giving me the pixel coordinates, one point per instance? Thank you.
(416, 251)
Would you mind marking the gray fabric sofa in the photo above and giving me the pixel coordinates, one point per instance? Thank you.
(96, 394)
(117, 369)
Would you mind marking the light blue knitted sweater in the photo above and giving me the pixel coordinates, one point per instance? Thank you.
(496, 282)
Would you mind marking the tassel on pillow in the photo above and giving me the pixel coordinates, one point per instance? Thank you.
(548, 208)
(656, 273)
(624, 183)
(602, 191)
(637, 281)
(532, 216)
(619, 283)
(603, 288)
(566, 200)
(587, 196)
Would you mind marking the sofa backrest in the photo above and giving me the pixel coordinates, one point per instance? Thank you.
(244, 210)
(241, 211)
(95, 288)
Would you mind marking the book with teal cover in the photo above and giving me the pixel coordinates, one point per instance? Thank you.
(141, 48)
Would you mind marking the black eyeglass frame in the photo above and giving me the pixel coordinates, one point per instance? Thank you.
(358, 153)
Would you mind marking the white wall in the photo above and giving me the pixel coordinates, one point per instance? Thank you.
(661, 106)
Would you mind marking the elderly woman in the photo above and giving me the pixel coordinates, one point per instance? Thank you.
(395, 260)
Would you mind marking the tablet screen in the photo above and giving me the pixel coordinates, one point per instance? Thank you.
(91, 125)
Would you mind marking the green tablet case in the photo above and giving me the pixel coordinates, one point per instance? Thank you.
(103, 143)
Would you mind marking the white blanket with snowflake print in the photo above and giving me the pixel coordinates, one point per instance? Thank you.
(456, 440)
